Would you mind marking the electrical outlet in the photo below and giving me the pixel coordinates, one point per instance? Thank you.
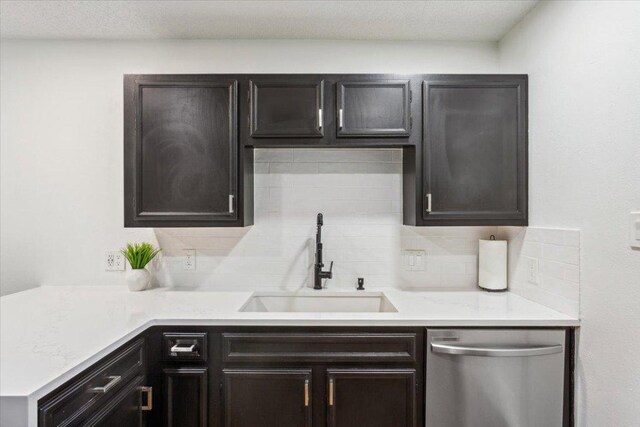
(532, 270)
(113, 261)
(414, 260)
(189, 260)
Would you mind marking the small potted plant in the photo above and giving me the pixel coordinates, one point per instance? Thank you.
(139, 255)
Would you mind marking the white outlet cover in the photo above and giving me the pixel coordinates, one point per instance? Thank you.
(414, 259)
(634, 230)
(189, 259)
(114, 261)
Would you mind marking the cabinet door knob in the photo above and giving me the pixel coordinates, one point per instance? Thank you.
(428, 203)
(320, 118)
(306, 393)
(340, 118)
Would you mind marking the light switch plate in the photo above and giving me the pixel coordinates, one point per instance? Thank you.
(113, 261)
(634, 230)
(414, 259)
(189, 260)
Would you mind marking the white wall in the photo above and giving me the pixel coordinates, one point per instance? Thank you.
(61, 167)
(583, 60)
(556, 252)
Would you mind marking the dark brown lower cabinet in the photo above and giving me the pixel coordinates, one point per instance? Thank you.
(267, 397)
(185, 397)
(371, 397)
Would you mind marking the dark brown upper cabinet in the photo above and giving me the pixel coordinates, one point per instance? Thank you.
(474, 150)
(286, 108)
(181, 152)
(373, 108)
(189, 141)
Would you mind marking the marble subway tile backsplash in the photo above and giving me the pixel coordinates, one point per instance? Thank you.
(360, 194)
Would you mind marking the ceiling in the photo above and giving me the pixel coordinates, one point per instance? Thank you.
(310, 19)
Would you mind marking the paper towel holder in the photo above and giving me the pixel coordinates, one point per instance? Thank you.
(492, 270)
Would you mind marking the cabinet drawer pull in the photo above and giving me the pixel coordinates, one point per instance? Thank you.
(181, 348)
(428, 203)
(149, 400)
(113, 380)
(340, 118)
(306, 393)
(331, 392)
(320, 118)
(230, 203)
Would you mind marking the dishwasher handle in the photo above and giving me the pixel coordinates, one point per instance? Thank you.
(496, 351)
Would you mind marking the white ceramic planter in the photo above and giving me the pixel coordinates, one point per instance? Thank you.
(138, 279)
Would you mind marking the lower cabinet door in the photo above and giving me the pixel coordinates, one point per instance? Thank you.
(371, 397)
(267, 397)
(123, 410)
(185, 396)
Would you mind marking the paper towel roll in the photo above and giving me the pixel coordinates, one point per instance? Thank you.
(492, 265)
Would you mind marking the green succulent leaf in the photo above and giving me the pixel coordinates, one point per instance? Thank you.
(139, 254)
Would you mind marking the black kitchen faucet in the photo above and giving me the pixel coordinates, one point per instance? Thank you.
(318, 274)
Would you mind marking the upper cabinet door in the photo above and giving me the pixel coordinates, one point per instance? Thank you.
(289, 108)
(475, 150)
(374, 108)
(181, 154)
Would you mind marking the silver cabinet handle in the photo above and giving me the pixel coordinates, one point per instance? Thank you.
(320, 118)
(149, 402)
(340, 118)
(180, 348)
(113, 380)
(428, 203)
(496, 351)
(331, 391)
(306, 393)
(230, 203)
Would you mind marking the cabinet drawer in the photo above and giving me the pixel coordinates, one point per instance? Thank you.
(327, 347)
(184, 347)
(74, 402)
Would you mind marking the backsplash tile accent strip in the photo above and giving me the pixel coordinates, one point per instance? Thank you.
(557, 252)
(360, 193)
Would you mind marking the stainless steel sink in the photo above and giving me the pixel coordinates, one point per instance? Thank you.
(319, 302)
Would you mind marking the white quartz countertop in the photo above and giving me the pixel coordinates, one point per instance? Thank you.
(49, 334)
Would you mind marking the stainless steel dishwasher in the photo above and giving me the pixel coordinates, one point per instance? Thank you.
(495, 378)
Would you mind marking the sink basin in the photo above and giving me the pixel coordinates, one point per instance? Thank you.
(320, 302)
